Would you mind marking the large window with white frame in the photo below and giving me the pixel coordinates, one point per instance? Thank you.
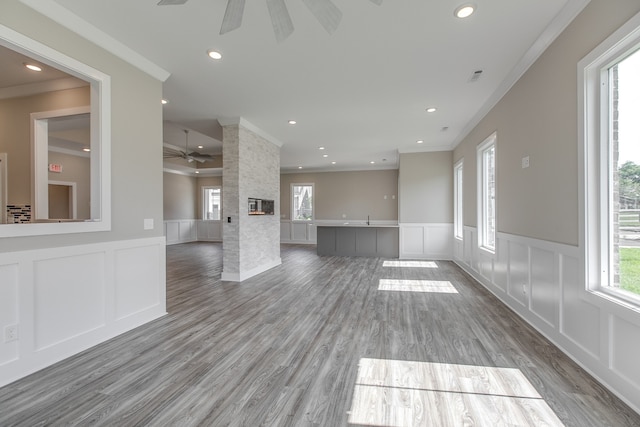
(302, 202)
(487, 194)
(458, 226)
(610, 174)
(211, 203)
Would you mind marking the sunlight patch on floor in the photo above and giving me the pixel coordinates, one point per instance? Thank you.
(412, 264)
(396, 393)
(403, 285)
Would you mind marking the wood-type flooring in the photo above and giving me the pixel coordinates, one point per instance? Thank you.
(318, 341)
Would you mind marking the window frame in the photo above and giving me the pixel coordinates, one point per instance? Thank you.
(203, 201)
(482, 205)
(291, 200)
(100, 105)
(458, 202)
(595, 172)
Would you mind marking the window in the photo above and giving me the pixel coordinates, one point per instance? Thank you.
(211, 203)
(302, 202)
(487, 194)
(457, 200)
(610, 174)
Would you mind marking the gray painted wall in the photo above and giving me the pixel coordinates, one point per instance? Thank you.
(426, 187)
(136, 131)
(180, 200)
(356, 194)
(538, 118)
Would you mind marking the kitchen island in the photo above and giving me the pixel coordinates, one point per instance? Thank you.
(358, 239)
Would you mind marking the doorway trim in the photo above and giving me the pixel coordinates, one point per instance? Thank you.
(73, 199)
(40, 157)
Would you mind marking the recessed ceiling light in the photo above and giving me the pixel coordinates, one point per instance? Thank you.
(419, 141)
(197, 171)
(299, 167)
(333, 163)
(214, 54)
(164, 101)
(431, 110)
(201, 146)
(465, 10)
(325, 155)
(86, 149)
(33, 67)
(320, 148)
(292, 122)
(372, 162)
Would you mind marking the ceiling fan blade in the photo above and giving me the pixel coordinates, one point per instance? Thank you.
(327, 13)
(280, 19)
(171, 2)
(378, 2)
(232, 16)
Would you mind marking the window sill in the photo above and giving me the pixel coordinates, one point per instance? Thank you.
(619, 299)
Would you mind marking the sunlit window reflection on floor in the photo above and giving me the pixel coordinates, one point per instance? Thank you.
(414, 264)
(402, 285)
(396, 393)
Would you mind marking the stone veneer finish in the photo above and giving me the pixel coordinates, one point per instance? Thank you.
(251, 168)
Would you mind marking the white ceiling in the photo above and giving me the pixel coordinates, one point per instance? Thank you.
(361, 92)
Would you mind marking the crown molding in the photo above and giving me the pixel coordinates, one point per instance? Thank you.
(73, 22)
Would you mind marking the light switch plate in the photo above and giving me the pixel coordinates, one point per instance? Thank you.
(525, 162)
(148, 223)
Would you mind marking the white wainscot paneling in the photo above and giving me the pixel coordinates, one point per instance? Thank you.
(298, 232)
(426, 241)
(545, 288)
(485, 264)
(579, 318)
(180, 231)
(64, 300)
(69, 297)
(137, 275)
(209, 231)
(519, 287)
(544, 285)
(625, 348)
(8, 309)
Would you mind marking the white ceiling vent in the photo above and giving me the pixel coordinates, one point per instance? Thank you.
(475, 76)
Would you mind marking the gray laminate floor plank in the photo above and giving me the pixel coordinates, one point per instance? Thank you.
(285, 348)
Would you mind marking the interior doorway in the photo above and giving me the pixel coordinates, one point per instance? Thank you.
(62, 200)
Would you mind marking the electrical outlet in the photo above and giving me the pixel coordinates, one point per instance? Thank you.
(10, 333)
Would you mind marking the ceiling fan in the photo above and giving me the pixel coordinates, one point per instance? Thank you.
(327, 14)
(190, 156)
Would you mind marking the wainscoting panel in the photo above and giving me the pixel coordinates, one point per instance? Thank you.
(69, 297)
(625, 351)
(578, 318)
(64, 300)
(426, 241)
(137, 276)
(518, 271)
(209, 231)
(543, 286)
(180, 231)
(8, 309)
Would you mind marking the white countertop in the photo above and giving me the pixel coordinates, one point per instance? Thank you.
(355, 224)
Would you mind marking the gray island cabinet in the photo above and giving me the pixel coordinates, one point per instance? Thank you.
(358, 240)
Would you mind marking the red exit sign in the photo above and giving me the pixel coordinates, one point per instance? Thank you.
(55, 168)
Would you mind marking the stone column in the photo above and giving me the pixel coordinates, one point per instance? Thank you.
(251, 169)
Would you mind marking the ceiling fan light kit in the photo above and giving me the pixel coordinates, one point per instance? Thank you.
(325, 12)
